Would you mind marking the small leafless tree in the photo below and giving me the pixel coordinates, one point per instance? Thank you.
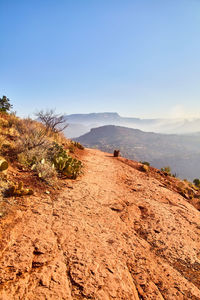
(52, 121)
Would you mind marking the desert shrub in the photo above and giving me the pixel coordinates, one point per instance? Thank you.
(30, 135)
(35, 155)
(13, 133)
(3, 122)
(48, 158)
(145, 163)
(166, 170)
(116, 153)
(6, 147)
(194, 187)
(25, 159)
(13, 120)
(144, 168)
(71, 148)
(2, 141)
(45, 171)
(77, 145)
(36, 160)
(58, 138)
(38, 151)
(4, 184)
(196, 182)
(32, 149)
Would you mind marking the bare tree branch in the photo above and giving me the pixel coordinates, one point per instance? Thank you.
(52, 121)
(30, 136)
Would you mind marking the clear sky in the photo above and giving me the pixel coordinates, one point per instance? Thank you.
(135, 57)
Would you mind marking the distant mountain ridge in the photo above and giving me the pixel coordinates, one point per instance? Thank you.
(82, 123)
(180, 152)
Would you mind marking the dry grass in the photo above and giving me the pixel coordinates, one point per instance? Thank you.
(27, 145)
(46, 172)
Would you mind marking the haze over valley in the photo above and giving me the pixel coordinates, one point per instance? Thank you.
(179, 151)
(80, 124)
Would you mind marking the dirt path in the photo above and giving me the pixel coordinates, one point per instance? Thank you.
(115, 233)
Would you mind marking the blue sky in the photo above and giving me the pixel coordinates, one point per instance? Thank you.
(136, 57)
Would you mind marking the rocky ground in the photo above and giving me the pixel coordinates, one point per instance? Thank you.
(114, 233)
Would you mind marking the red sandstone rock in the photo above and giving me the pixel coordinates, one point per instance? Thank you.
(117, 234)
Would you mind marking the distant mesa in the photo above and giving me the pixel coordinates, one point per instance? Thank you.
(82, 123)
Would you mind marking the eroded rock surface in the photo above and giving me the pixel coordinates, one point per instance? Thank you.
(115, 233)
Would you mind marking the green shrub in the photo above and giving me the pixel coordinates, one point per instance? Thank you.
(45, 157)
(196, 182)
(5, 105)
(77, 145)
(166, 170)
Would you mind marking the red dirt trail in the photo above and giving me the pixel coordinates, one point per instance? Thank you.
(114, 233)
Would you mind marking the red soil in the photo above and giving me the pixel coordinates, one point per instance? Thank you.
(114, 233)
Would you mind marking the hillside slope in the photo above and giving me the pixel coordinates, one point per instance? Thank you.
(180, 152)
(114, 233)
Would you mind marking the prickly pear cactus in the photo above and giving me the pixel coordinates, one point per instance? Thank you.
(68, 166)
(18, 190)
(3, 164)
(60, 163)
(73, 168)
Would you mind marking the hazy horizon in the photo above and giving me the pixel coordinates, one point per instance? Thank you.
(137, 116)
